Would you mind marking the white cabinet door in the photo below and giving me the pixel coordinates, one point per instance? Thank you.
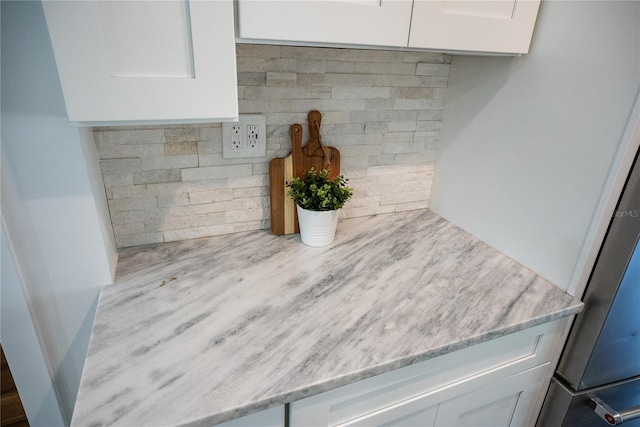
(362, 22)
(511, 401)
(500, 26)
(145, 61)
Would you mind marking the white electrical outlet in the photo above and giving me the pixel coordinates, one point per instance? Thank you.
(245, 138)
(236, 137)
(252, 136)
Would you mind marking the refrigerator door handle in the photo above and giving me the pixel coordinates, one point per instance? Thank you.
(610, 415)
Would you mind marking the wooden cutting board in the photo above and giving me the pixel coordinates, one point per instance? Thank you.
(315, 153)
(284, 218)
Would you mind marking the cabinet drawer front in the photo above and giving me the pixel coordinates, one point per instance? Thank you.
(507, 355)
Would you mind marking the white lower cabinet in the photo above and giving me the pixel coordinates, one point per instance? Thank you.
(496, 383)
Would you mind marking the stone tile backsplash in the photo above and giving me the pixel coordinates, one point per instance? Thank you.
(381, 109)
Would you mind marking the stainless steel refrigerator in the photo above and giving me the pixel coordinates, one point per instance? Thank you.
(597, 382)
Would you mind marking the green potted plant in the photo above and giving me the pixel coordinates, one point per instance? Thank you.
(318, 200)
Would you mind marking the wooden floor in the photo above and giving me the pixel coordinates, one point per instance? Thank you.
(11, 410)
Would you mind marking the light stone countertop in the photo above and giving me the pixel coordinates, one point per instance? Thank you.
(202, 331)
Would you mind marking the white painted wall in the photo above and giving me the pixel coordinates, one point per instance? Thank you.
(53, 203)
(527, 143)
(28, 365)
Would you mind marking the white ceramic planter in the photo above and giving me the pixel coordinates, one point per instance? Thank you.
(317, 228)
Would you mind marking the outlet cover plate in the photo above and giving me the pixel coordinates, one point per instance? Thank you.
(256, 146)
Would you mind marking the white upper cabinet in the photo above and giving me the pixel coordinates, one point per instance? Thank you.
(361, 22)
(500, 26)
(145, 61)
(491, 26)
